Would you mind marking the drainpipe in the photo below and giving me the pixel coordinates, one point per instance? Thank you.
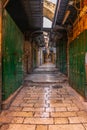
(0, 53)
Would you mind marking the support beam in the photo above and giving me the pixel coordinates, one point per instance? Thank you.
(4, 2)
(56, 13)
(0, 53)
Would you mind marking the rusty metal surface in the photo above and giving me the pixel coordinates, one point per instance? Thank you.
(12, 69)
(77, 75)
(61, 56)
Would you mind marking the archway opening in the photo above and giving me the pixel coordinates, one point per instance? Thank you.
(47, 23)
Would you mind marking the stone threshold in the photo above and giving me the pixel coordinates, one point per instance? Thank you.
(6, 104)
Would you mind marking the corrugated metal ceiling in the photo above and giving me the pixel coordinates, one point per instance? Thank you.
(28, 14)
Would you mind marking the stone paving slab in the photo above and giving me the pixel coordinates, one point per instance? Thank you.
(20, 127)
(67, 127)
(45, 107)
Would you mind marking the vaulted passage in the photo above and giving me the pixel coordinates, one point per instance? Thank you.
(43, 69)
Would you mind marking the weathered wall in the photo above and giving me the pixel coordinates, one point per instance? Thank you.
(53, 58)
(31, 56)
(34, 55)
(12, 71)
(27, 57)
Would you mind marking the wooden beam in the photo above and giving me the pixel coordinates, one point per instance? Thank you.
(4, 3)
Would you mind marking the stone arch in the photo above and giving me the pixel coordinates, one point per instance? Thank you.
(48, 10)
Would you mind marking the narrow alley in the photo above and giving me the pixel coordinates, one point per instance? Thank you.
(43, 64)
(46, 102)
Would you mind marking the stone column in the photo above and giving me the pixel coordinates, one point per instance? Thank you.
(0, 53)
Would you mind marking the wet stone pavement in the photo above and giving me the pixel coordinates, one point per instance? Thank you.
(46, 103)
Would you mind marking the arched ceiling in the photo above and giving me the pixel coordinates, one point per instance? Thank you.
(30, 12)
(48, 9)
(39, 8)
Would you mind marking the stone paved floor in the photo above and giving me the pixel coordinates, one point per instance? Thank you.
(46, 106)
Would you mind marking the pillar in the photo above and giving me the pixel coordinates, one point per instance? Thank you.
(0, 53)
(27, 57)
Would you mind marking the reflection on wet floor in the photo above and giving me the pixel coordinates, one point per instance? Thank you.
(46, 74)
(45, 104)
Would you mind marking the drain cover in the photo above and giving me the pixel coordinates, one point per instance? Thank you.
(57, 86)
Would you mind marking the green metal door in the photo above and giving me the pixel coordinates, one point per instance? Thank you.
(12, 74)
